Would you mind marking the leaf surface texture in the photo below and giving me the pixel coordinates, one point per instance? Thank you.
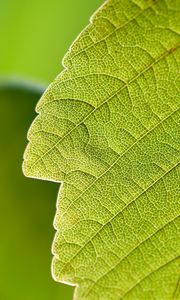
(108, 130)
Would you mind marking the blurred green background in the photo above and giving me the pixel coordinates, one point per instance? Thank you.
(35, 35)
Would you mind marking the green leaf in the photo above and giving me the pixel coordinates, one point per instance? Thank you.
(108, 129)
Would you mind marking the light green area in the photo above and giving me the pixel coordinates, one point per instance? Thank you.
(35, 35)
(27, 208)
(109, 130)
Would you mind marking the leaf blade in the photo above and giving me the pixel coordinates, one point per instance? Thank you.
(109, 129)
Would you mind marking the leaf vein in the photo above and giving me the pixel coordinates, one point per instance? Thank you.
(165, 54)
(130, 252)
(110, 220)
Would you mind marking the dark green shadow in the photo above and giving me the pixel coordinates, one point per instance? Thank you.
(27, 207)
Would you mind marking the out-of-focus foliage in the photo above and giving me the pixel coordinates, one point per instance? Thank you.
(36, 34)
